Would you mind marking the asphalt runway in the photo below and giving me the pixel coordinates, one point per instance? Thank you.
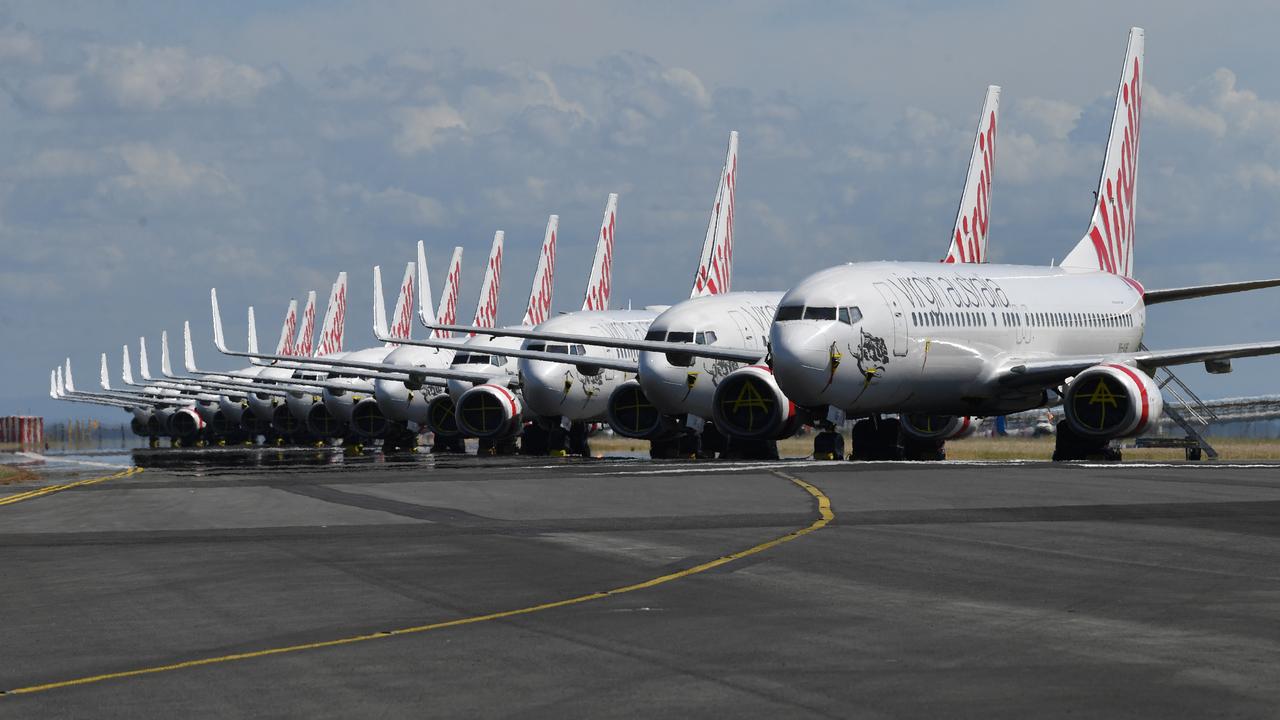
(247, 584)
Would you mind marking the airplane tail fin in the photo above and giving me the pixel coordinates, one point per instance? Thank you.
(306, 332)
(188, 353)
(144, 363)
(53, 384)
(71, 382)
(253, 332)
(126, 368)
(449, 294)
(426, 313)
(335, 319)
(715, 266)
(1108, 244)
(539, 308)
(104, 378)
(290, 326)
(600, 284)
(487, 307)
(969, 236)
(166, 367)
(402, 323)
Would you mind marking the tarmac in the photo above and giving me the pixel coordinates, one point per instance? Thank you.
(306, 583)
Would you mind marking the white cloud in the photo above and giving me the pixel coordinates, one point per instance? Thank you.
(422, 127)
(20, 46)
(1055, 118)
(136, 77)
(157, 173)
(689, 85)
(407, 206)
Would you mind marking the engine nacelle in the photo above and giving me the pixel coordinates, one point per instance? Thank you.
(1112, 401)
(442, 418)
(631, 414)
(938, 427)
(324, 424)
(490, 411)
(368, 421)
(253, 424)
(749, 404)
(284, 421)
(185, 424)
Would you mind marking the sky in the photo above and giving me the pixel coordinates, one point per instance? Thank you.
(154, 150)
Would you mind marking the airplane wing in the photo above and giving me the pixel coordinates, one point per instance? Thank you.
(1053, 371)
(707, 351)
(375, 370)
(1154, 297)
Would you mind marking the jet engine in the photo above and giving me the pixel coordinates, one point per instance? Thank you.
(938, 427)
(441, 416)
(322, 423)
(749, 404)
(185, 424)
(368, 421)
(1112, 401)
(490, 411)
(284, 421)
(631, 414)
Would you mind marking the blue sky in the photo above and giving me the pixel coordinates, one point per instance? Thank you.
(153, 150)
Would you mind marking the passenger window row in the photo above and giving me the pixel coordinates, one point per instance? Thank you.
(939, 318)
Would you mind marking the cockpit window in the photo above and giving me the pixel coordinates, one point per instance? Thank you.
(819, 313)
(538, 346)
(789, 312)
(476, 359)
(680, 337)
(850, 315)
(705, 338)
(656, 335)
(566, 349)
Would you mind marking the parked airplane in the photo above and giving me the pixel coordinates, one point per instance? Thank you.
(947, 341)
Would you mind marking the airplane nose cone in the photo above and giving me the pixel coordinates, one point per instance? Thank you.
(667, 386)
(543, 386)
(802, 359)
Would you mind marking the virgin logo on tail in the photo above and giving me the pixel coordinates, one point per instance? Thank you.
(402, 325)
(302, 346)
(600, 285)
(715, 266)
(539, 308)
(1108, 245)
(969, 237)
(285, 346)
(487, 309)
(335, 319)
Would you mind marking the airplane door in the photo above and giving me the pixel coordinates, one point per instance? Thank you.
(748, 335)
(899, 319)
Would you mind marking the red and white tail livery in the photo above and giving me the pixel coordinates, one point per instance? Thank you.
(487, 307)
(600, 284)
(969, 237)
(285, 344)
(306, 333)
(539, 308)
(402, 323)
(715, 267)
(335, 319)
(1108, 245)
(449, 294)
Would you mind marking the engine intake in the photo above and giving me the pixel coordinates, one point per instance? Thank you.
(185, 424)
(441, 416)
(322, 423)
(368, 421)
(748, 403)
(1111, 401)
(938, 427)
(631, 414)
(489, 411)
(284, 421)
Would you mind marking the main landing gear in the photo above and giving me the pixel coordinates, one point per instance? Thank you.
(1070, 445)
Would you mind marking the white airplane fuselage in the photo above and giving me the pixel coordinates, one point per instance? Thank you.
(395, 400)
(734, 319)
(932, 336)
(553, 389)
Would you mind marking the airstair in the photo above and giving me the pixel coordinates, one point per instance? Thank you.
(1189, 413)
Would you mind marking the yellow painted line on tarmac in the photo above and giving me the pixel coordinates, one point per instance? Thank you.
(50, 489)
(825, 516)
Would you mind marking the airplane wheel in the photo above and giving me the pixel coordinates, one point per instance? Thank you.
(1195, 453)
(923, 450)
(443, 444)
(664, 448)
(743, 449)
(713, 441)
(1069, 446)
(690, 445)
(828, 445)
(578, 442)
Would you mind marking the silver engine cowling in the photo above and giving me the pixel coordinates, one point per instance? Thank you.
(185, 424)
(367, 420)
(938, 427)
(442, 418)
(490, 411)
(749, 404)
(1112, 401)
(631, 414)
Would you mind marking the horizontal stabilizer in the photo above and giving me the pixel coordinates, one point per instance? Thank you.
(1154, 297)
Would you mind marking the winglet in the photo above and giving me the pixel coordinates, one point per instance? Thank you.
(715, 266)
(426, 313)
(53, 385)
(253, 332)
(600, 283)
(306, 333)
(539, 308)
(166, 367)
(126, 369)
(144, 365)
(285, 345)
(188, 354)
(62, 388)
(402, 323)
(219, 341)
(379, 305)
(71, 382)
(487, 306)
(969, 236)
(1108, 244)
(103, 378)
